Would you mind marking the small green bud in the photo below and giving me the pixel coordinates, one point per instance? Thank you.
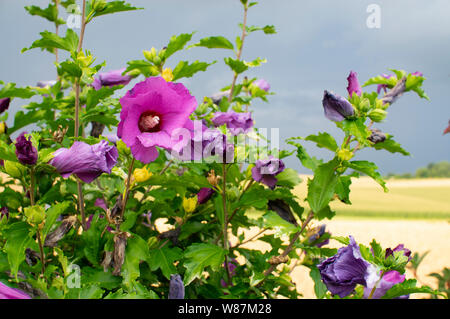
(123, 148)
(35, 214)
(345, 154)
(377, 115)
(98, 5)
(148, 55)
(157, 60)
(364, 105)
(152, 242)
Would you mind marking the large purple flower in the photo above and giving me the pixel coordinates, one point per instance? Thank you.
(11, 293)
(265, 171)
(25, 151)
(85, 161)
(111, 78)
(152, 112)
(336, 107)
(353, 84)
(389, 279)
(237, 123)
(204, 195)
(343, 271)
(4, 104)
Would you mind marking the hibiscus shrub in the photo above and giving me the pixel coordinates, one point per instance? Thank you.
(157, 209)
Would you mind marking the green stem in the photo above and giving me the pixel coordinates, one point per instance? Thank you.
(127, 187)
(375, 286)
(225, 219)
(38, 233)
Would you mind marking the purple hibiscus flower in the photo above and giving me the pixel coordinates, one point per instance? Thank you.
(4, 212)
(4, 104)
(353, 84)
(111, 78)
(25, 151)
(417, 73)
(265, 171)
(336, 107)
(204, 195)
(11, 293)
(343, 271)
(237, 123)
(262, 84)
(389, 279)
(176, 287)
(85, 161)
(152, 112)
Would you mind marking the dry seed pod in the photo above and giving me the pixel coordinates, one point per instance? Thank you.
(120, 243)
(275, 260)
(52, 239)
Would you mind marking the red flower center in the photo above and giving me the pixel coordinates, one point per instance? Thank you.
(149, 122)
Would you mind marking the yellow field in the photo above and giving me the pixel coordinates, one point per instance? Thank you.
(406, 199)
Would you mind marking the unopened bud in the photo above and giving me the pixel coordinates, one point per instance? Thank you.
(212, 178)
(345, 154)
(152, 242)
(141, 174)
(190, 204)
(35, 214)
(377, 136)
(377, 115)
(3, 128)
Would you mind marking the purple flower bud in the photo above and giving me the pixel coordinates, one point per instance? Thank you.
(232, 265)
(336, 107)
(343, 271)
(4, 212)
(111, 78)
(400, 247)
(389, 279)
(315, 236)
(237, 123)
(11, 293)
(353, 84)
(265, 171)
(85, 161)
(262, 84)
(25, 151)
(43, 84)
(417, 73)
(217, 97)
(204, 195)
(4, 104)
(176, 287)
(100, 202)
(383, 87)
(283, 210)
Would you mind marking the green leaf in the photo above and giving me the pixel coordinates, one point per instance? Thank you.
(288, 177)
(254, 197)
(357, 128)
(391, 146)
(321, 188)
(136, 251)
(236, 65)
(115, 6)
(343, 188)
(255, 63)
(200, 256)
(369, 169)
(18, 237)
(307, 161)
(70, 68)
(94, 96)
(52, 214)
(325, 212)
(145, 67)
(177, 43)
(50, 13)
(217, 42)
(381, 80)
(268, 29)
(99, 278)
(319, 287)
(51, 41)
(8, 152)
(186, 70)
(408, 287)
(323, 140)
(22, 119)
(274, 221)
(342, 240)
(163, 258)
(10, 90)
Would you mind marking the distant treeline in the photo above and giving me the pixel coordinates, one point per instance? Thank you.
(441, 169)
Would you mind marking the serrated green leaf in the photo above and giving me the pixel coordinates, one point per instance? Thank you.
(115, 6)
(236, 65)
(391, 146)
(216, 42)
(52, 214)
(323, 140)
(186, 70)
(51, 41)
(319, 287)
(288, 177)
(200, 256)
(18, 237)
(50, 13)
(10, 90)
(408, 287)
(321, 188)
(369, 169)
(177, 43)
(163, 258)
(136, 251)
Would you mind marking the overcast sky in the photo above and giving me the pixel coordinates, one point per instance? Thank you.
(317, 44)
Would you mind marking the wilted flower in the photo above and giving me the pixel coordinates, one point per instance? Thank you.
(336, 107)
(85, 161)
(237, 123)
(383, 86)
(4, 104)
(353, 84)
(111, 78)
(447, 130)
(4, 212)
(11, 293)
(262, 84)
(377, 136)
(217, 97)
(283, 210)
(265, 171)
(151, 112)
(343, 271)
(315, 234)
(204, 195)
(25, 151)
(176, 287)
(389, 279)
